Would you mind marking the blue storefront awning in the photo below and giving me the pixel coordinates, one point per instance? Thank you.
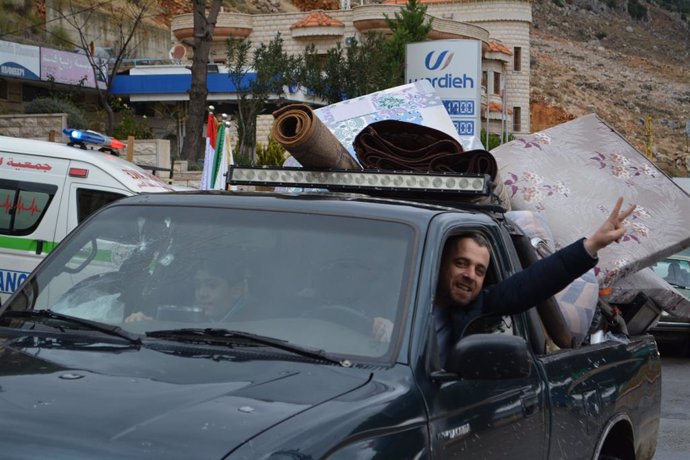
(172, 84)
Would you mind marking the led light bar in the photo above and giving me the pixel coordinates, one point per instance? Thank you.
(355, 180)
(79, 136)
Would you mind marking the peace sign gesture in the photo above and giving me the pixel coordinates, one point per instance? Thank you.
(611, 230)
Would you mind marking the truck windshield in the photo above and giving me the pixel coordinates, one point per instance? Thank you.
(323, 282)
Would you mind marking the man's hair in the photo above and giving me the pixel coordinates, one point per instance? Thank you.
(474, 235)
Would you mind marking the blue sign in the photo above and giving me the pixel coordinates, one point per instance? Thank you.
(10, 280)
(454, 69)
(464, 127)
(459, 107)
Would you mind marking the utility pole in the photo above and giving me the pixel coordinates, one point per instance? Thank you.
(649, 153)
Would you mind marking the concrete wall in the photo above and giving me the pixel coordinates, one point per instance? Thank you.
(103, 27)
(152, 152)
(34, 126)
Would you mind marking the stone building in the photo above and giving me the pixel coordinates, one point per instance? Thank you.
(502, 26)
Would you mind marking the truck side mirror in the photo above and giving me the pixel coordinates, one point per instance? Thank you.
(490, 357)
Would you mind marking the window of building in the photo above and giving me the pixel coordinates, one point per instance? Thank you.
(497, 83)
(517, 58)
(484, 78)
(3, 88)
(517, 117)
(23, 205)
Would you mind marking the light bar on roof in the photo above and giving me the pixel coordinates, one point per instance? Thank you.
(355, 180)
(80, 136)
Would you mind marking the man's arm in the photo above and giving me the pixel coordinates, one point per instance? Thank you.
(539, 281)
(552, 274)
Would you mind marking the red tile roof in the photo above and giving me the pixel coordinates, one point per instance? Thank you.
(317, 19)
(496, 47)
(498, 107)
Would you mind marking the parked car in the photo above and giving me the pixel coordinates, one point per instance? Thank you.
(114, 348)
(671, 332)
(48, 188)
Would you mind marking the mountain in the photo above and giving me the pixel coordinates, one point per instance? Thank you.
(635, 74)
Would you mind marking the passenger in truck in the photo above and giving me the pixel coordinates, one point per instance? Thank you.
(461, 296)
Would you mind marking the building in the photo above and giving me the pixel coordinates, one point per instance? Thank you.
(502, 26)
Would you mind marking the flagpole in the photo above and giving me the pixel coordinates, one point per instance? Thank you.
(209, 150)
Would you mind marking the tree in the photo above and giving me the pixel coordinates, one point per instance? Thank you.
(126, 17)
(204, 25)
(273, 70)
(339, 75)
(373, 64)
(410, 25)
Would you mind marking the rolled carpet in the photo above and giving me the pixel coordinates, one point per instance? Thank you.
(404, 146)
(304, 135)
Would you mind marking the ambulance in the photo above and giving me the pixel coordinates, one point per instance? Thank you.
(48, 188)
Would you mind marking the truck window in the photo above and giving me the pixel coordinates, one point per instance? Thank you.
(23, 205)
(469, 264)
(89, 201)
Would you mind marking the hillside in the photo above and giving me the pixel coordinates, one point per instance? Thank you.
(591, 58)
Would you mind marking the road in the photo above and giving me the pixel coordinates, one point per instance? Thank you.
(674, 433)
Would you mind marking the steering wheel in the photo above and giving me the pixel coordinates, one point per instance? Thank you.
(343, 315)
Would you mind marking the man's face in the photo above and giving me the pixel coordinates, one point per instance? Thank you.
(462, 273)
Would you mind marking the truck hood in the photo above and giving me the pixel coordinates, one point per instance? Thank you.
(139, 403)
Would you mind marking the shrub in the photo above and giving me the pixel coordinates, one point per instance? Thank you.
(273, 154)
(131, 125)
(613, 4)
(75, 117)
(60, 37)
(636, 10)
(494, 140)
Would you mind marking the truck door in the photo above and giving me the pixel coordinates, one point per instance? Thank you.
(497, 418)
(490, 418)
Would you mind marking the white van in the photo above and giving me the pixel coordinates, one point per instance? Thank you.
(46, 189)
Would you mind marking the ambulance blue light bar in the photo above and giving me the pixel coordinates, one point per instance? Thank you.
(79, 136)
(361, 180)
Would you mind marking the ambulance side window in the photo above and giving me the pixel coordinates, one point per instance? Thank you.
(23, 205)
(89, 201)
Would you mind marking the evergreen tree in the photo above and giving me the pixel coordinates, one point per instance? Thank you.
(411, 25)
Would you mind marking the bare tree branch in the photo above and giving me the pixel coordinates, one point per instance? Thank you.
(128, 18)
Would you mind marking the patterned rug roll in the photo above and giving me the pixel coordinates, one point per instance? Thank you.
(301, 133)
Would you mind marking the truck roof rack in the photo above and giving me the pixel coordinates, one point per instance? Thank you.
(398, 184)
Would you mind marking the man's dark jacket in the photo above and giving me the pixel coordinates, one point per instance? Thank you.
(521, 291)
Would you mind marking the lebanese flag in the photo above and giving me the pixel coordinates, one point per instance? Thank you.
(221, 159)
(210, 153)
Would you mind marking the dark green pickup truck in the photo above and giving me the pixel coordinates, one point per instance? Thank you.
(114, 347)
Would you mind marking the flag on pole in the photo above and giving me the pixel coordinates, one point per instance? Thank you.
(210, 152)
(220, 160)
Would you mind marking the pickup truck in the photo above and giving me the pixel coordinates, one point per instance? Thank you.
(112, 347)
